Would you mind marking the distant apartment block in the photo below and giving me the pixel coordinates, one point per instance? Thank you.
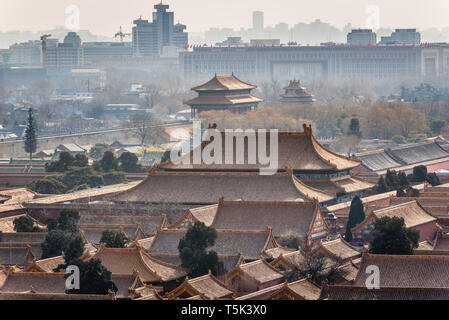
(149, 38)
(65, 56)
(401, 36)
(361, 37)
(26, 54)
(99, 51)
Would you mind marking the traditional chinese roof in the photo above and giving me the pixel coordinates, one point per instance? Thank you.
(412, 212)
(419, 152)
(25, 237)
(250, 244)
(344, 184)
(45, 265)
(148, 224)
(337, 249)
(31, 295)
(88, 194)
(224, 83)
(127, 260)
(303, 289)
(377, 160)
(299, 151)
(406, 271)
(295, 92)
(17, 195)
(195, 188)
(92, 233)
(229, 261)
(7, 223)
(41, 282)
(260, 271)
(20, 255)
(284, 217)
(207, 286)
(128, 286)
(234, 99)
(345, 292)
(439, 247)
(289, 260)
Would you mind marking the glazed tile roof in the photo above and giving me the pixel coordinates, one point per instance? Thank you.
(403, 271)
(148, 224)
(20, 255)
(344, 292)
(299, 151)
(304, 288)
(229, 261)
(25, 237)
(93, 233)
(261, 271)
(224, 82)
(345, 184)
(88, 194)
(415, 153)
(125, 261)
(223, 100)
(250, 244)
(17, 195)
(49, 264)
(377, 160)
(207, 285)
(412, 213)
(338, 248)
(284, 217)
(41, 282)
(7, 223)
(195, 188)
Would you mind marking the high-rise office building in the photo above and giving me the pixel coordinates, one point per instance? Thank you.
(64, 56)
(149, 38)
(258, 21)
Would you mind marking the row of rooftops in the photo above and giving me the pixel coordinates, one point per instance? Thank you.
(410, 277)
(402, 157)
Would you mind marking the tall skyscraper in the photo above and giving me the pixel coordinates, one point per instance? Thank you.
(258, 21)
(149, 38)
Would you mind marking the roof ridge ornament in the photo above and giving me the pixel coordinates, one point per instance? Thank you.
(307, 129)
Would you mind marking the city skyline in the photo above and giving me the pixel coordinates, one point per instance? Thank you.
(232, 14)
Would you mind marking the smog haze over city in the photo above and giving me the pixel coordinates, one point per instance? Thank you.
(102, 16)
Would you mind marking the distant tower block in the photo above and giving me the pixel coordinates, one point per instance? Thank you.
(224, 92)
(294, 93)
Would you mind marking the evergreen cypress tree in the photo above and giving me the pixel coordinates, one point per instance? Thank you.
(30, 134)
(356, 216)
(381, 185)
(403, 182)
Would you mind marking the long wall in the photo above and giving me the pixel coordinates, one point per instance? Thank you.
(15, 148)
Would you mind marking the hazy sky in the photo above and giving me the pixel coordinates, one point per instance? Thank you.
(103, 17)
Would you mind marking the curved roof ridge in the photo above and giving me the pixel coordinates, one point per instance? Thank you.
(302, 188)
(365, 153)
(317, 147)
